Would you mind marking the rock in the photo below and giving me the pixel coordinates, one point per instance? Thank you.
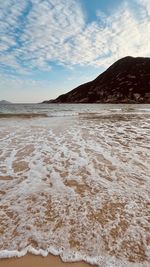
(136, 96)
(125, 81)
(4, 102)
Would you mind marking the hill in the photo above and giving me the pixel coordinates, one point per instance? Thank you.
(125, 81)
(4, 102)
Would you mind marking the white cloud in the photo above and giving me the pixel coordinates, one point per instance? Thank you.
(36, 33)
(124, 34)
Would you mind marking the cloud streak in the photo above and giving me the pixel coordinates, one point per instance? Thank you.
(36, 33)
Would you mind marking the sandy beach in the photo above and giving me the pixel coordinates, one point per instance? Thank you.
(75, 185)
(39, 261)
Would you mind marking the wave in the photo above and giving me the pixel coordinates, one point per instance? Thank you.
(22, 115)
(36, 115)
(29, 112)
(73, 257)
(108, 261)
(63, 114)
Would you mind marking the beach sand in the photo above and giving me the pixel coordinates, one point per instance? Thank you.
(39, 261)
(83, 188)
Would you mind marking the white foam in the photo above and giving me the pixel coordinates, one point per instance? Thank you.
(68, 184)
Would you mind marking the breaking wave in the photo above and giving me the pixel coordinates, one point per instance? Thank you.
(22, 115)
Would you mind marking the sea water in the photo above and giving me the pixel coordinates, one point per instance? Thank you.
(75, 182)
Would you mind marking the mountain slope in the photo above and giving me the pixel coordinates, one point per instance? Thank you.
(125, 81)
(4, 102)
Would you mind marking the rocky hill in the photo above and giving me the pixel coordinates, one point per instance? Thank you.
(4, 102)
(125, 81)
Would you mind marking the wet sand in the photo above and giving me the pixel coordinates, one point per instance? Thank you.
(39, 261)
(84, 186)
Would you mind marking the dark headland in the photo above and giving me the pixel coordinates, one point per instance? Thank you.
(4, 102)
(125, 81)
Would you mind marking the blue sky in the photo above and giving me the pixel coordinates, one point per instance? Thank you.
(48, 47)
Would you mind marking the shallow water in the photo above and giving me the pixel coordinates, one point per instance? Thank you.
(76, 183)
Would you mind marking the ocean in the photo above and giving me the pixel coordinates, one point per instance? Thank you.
(75, 182)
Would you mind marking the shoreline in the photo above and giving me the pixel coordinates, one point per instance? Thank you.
(40, 261)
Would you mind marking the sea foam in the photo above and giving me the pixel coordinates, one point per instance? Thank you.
(76, 187)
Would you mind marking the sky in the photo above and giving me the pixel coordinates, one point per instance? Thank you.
(48, 47)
